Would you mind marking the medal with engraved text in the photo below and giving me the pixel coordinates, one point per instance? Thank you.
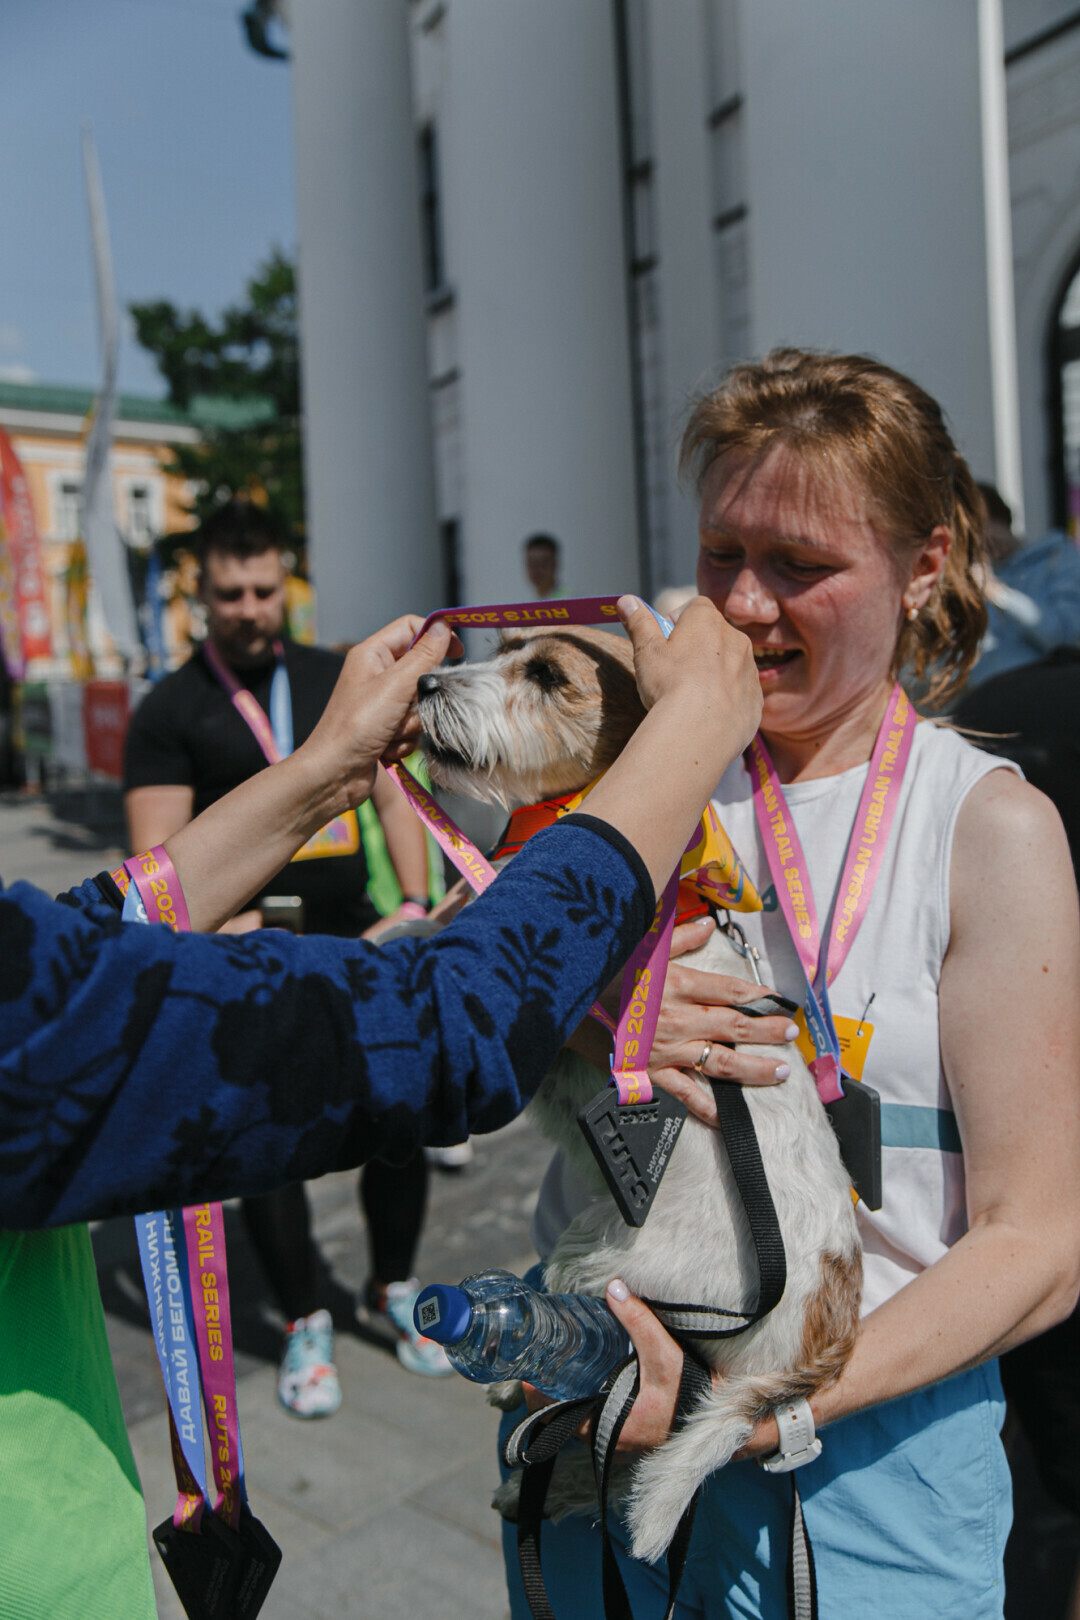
(632, 1143)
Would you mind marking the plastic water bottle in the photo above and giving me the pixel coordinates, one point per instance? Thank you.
(495, 1326)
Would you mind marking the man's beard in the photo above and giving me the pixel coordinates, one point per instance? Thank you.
(241, 653)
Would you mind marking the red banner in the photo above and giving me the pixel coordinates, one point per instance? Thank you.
(10, 639)
(25, 550)
(105, 723)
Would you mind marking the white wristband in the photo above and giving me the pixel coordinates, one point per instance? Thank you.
(798, 1441)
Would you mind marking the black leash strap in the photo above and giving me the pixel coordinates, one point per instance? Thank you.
(534, 1446)
(696, 1381)
(801, 1575)
(744, 1156)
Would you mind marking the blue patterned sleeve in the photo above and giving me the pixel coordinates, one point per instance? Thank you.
(139, 1068)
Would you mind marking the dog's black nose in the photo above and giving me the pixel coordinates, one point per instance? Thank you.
(427, 684)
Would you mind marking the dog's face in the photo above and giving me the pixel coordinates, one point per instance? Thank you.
(544, 716)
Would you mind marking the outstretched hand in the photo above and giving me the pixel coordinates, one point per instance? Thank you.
(371, 715)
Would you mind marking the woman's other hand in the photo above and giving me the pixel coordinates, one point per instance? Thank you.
(371, 715)
(660, 1363)
(660, 1366)
(703, 1009)
(660, 1360)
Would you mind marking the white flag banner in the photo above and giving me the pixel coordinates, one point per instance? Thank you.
(105, 551)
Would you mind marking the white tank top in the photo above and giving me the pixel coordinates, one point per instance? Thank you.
(896, 958)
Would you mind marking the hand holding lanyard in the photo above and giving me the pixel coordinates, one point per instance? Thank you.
(341, 836)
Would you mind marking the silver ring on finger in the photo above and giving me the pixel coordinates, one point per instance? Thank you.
(704, 1058)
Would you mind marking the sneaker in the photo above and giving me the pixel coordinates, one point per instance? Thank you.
(308, 1381)
(455, 1157)
(416, 1354)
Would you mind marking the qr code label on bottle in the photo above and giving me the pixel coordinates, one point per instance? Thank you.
(428, 1313)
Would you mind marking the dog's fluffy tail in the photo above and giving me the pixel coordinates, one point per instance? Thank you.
(666, 1479)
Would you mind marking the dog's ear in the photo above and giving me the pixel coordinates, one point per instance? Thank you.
(621, 705)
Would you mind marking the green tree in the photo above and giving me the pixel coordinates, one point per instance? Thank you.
(239, 380)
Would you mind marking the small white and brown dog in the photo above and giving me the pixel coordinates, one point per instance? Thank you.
(544, 716)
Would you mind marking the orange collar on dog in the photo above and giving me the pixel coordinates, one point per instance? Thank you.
(711, 871)
(530, 819)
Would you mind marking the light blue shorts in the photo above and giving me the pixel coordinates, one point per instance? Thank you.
(908, 1509)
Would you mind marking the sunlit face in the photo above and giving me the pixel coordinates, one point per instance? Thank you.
(245, 605)
(797, 564)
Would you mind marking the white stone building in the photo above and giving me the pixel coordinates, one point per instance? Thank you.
(531, 229)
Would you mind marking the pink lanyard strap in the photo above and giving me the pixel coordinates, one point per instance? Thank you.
(477, 871)
(821, 961)
(643, 980)
(154, 878)
(204, 1231)
(245, 702)
(158, 887)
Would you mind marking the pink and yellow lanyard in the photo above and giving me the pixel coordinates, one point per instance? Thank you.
(187, 1281)
(821, 960)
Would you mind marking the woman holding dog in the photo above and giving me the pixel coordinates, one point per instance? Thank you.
(842, 533)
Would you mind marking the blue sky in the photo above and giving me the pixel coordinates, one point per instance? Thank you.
(194, 139)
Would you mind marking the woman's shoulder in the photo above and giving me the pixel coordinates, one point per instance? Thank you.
(1010, 859)
(1007, 814)
(942, 756)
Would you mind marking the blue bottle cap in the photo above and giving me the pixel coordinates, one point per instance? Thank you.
(442, 1313)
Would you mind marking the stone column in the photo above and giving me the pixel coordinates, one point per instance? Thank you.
(532, 175)
(371, 504)
(688, 278)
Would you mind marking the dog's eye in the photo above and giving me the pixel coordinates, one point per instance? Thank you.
(544, 675)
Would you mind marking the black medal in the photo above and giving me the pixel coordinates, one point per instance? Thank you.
(204, 1565)
(856, 1119)
(632, 1143)
(262, 1560)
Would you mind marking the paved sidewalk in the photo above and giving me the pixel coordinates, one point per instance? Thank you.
(381, 1510)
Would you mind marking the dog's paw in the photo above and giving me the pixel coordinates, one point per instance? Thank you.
(505, 1499)
(505, 1395)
